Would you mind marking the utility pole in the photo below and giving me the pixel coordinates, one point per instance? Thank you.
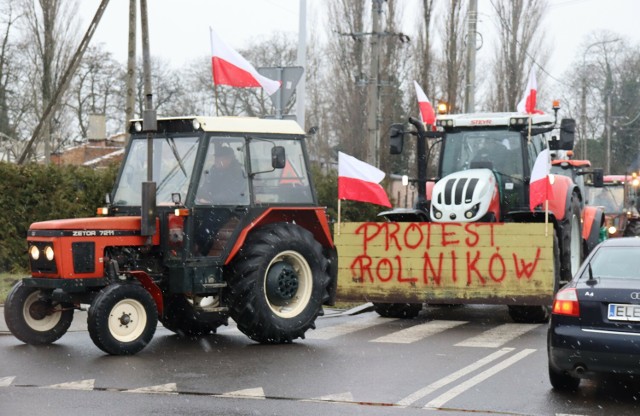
(302, 61)
(373, 94)
(131, 66)
(472, 20)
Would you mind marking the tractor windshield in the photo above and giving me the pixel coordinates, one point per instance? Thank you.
(499, 150)
(173, 159)
(611, 197)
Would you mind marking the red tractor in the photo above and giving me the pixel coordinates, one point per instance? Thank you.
(618, 196)
(477, 193)
(227, 226)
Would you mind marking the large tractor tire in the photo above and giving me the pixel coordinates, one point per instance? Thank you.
(122, 319)
(34, 319)
(633, 229)
(533, 314)
(278, 283)
(398, 310)
(183, 318)
(571, 241)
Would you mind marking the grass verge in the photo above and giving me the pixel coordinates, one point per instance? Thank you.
(6, 283)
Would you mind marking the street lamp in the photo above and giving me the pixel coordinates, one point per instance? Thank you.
(583, 103)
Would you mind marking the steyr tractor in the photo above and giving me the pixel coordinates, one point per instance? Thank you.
(618, 196)
(228, 226)
(471, 236)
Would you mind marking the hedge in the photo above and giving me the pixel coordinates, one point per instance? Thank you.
(30, 193)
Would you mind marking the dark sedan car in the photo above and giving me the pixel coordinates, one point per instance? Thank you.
(595, 324)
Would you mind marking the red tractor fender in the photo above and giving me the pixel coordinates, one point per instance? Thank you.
(155, 291)
(592, 221)
(312, 219)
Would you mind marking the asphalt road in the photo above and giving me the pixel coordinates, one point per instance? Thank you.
(463, 360)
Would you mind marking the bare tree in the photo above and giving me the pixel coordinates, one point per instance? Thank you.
(454, 54)
(97, 89)
(519, 48)
(50, 34)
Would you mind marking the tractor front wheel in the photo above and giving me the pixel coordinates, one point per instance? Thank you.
(278, 283)
(33, 318)
(122, 319)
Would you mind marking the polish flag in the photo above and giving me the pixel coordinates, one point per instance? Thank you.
(540, 185)
(426, 109)
(230, 68)
(359, 181)
(528, 103)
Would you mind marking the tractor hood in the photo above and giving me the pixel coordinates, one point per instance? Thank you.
(88, 226)
(463, 196)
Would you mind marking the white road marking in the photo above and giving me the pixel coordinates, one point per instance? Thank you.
(414, 397)
(462, 387)
(339, 397)
(418, 332)
(347, 327)
(6, 381)
(497, 336)
(73, 385)
(169, 388)
(255, 393)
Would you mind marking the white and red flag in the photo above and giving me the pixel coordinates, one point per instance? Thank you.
(230, 68)
(426, 109)
(528, 103)
(540, 189)
(359, 181)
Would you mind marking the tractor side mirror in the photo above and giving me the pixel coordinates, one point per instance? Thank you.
(598, 178)
(396, 138)
(278, 158)
(567, 133)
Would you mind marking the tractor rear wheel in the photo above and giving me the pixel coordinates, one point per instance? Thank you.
(34, 319)
(278, 283)
(571, 239)
(122, 319)
(182, 317)
(632, 229)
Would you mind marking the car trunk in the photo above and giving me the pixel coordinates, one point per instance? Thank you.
(612, 304)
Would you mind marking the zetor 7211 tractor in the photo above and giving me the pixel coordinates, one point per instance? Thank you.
(226, 225)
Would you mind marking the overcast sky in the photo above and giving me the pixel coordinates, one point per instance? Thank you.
(179, 29)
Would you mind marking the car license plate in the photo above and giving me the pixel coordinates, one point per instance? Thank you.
(624, 312)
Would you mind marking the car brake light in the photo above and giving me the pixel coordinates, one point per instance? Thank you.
(566, 303)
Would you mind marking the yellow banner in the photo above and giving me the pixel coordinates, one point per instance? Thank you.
(492, 263)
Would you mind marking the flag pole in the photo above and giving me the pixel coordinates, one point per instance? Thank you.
(339, 209)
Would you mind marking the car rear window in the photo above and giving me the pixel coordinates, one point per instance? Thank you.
(619, 262)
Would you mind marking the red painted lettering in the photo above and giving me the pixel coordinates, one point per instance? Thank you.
(473, 268)
(445, 234)
(382, 265)
(413, 232)
(497, 258)
(428, 269)
(361, 266)
(524, 268)
(470, 228)
(402, 279)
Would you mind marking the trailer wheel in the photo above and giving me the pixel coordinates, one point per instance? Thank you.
(34, 319)
(278, 283)
(535, 314)
(181, 317)
(122, 319)
(398, 310)
(571, 238)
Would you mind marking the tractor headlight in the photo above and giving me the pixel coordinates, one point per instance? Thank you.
(34, 252)
(472, 212)
(437, 213)
(48, 253)
(612, 230)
